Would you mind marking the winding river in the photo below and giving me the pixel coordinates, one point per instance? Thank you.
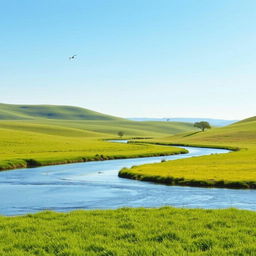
(96, 185)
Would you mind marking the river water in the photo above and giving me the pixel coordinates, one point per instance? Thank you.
(96, 185)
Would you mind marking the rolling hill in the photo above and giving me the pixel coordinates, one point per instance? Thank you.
(250, 119)
(233, 170)
(30, 112)
(71, 121)
(34, 135)
(239, 133)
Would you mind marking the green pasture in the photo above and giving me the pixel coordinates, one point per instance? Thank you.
(29, 149)
(35, 135)
(235, 170)
(45, 135)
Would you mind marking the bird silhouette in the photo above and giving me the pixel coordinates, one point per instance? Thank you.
(72, 57)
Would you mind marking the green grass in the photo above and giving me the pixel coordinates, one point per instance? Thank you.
(37, 143)
(232, 170)
(35, 135)
(36, 118)
(29, 149)
(46, 134)
(134, 232)
(41, 140)
(102, 128)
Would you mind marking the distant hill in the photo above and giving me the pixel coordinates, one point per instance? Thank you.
(250, 119)
(212, 121)
(31, 112)
(75, 121)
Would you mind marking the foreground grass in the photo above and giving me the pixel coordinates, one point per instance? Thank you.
(232, 170)
(165, 231)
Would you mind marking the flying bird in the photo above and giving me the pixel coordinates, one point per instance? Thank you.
(72, 57)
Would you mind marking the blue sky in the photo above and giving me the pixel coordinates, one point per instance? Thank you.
(136, 58)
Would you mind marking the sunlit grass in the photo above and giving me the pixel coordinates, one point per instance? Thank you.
(164, 231)
(236, 169)
(43, 146)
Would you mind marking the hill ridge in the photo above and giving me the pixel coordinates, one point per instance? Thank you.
(44, 111)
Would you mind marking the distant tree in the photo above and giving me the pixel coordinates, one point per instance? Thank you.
(202, 125)
(120, 134)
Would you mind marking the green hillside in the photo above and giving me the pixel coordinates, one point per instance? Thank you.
(40, 135)
(28, 112)
(19, 149)
(74, 121)
(251, 119)
(237, 134)
(55, 142)
(97, 127)
(236, 169)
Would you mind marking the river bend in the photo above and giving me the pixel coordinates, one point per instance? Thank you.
(96, 185)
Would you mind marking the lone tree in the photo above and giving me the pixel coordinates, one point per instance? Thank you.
(120, 134)
(202, 125)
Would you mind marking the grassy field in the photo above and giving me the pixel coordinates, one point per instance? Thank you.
(30, 149)
(41, 140)
(51, 119)
(97, 128)
(135, 232)
(234, 170)
(36, 139)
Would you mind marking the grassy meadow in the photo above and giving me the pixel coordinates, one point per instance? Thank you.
(44, 135)
(145, 232)
(30, 145)
(233, 170)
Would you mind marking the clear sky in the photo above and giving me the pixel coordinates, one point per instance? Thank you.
(136, 58)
